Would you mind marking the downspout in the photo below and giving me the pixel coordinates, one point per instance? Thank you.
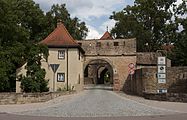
(67, 69)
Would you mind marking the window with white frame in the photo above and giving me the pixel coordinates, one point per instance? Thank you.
(60, 77)
(61, 54)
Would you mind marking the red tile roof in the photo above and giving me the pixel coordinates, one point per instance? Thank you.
(60, 37)
(106, 36)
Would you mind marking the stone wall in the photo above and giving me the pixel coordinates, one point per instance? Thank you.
(177, 79)
(119, 65)
(149, 59)
(171, 97)
(144, 83)
(118, 53)
(108, 47)
(23, 98)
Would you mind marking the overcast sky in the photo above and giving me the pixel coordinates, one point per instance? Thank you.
(95, 13)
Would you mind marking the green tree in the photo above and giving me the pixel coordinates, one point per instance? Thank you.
(149, 21)
(12, 37)
(77, 29)
(179, 53)
(19, 29)
(22, 25)
(34, 81)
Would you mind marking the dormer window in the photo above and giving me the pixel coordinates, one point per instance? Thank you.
(61, 54)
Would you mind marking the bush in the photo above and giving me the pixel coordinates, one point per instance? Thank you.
(34, 81)
(29, 84)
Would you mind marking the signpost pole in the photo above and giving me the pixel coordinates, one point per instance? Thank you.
(131, 72)
(131, 83)
(54, 68)
(161, 74)
(54, 82)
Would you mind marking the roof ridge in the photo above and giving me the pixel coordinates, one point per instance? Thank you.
(60, 36)
(68, 33)
(106, 36)
(50, 35)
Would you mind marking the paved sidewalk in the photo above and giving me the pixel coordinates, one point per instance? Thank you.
(175, 106)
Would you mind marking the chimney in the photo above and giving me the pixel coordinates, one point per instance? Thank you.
(59, 22)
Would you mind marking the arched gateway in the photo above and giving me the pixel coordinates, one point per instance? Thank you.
(106, 60)
(98, 71)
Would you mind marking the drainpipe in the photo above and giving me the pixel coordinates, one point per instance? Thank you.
(67, 69)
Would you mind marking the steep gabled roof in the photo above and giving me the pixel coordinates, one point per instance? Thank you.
(106, 36)
(60, 38)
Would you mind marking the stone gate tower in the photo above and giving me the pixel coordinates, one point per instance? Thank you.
(108, 55)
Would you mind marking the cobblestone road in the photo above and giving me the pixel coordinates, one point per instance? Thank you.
(96, 103)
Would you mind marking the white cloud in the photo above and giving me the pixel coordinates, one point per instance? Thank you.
(110, 24)
(93, 8)
(86, 10)
(93, 33)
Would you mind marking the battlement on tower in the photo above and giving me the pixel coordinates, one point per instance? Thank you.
(107, 47)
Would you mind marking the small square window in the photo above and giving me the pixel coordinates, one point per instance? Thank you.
(116, 44)
(60, 77)
(61, 54)
(107, 44)
(98, 44)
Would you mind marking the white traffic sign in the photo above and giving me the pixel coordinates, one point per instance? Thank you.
(161, 60)
(161, 69)
(131, 66)
(161, 73)
(161, 76)
(161, 80)
(162, 91)
(131, 71)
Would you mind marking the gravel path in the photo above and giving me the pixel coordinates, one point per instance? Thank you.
(95, 103)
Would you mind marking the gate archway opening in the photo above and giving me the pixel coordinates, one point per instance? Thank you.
(98, 72)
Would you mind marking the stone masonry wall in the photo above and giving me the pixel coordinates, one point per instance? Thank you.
(145, 84)
(109, 47)
(119, 65)
(177, 79)
(22, 98)
(119, 53)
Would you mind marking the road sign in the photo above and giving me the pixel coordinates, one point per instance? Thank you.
(161, 73)
(162, 91)
(161, 80)
(161, 69)
(161, 76)
(54, 67)
(131, 71)
(161, 60)
(131, 66)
